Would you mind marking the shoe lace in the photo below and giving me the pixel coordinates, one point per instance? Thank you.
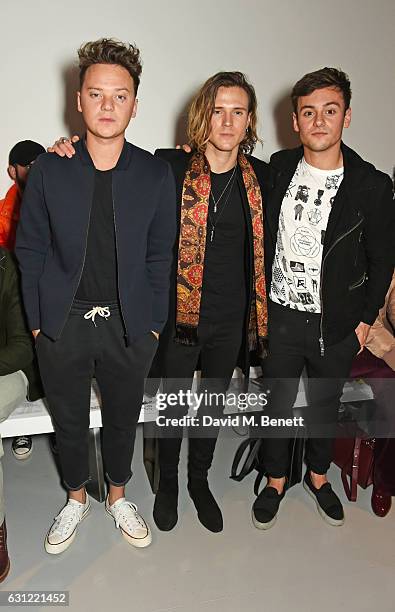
(128, 512)
(22, 441)
(67, 516)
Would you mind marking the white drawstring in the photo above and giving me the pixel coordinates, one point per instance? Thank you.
(102, 311)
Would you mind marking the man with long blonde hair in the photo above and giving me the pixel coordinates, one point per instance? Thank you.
(218, 306)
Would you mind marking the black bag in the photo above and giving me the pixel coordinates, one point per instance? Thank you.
(354, 448)
(254, 460)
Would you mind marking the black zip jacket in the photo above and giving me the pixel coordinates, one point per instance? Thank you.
(358, 253)
(52, 236)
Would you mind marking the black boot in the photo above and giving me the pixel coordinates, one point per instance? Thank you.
(201, 451)
(166, 499)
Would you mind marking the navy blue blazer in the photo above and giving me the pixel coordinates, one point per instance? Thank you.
(53, 228)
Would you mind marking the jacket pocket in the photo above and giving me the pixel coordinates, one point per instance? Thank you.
(358, 283)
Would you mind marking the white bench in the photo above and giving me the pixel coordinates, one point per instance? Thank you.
(33, 418)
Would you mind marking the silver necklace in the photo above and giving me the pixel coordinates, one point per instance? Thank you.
(214, 223)
(216, 202)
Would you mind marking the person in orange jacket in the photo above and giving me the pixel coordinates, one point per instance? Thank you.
(20, 160)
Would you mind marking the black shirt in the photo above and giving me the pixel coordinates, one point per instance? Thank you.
(224, 292)
(98, 283)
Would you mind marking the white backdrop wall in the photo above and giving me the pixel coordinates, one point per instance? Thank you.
(185, 41)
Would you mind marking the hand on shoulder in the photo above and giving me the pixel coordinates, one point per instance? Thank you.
(64, 146)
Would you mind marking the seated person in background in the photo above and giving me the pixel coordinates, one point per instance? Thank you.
(20, 160)
(377, 364)
(16, 356)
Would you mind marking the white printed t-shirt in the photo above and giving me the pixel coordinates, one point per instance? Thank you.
(301, 232)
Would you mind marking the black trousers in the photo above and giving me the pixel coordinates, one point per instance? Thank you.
(218, 349)
(293, 346)
(86, 349)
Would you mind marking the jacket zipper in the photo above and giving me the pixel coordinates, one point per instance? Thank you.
(359, 241)
(358, 283)
(116, 252)
(81, 271)
(321, 338)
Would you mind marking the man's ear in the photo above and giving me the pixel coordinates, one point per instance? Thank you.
(135, 105)
(347, 118)
(79, 102)
(11, 173)
(295, 122)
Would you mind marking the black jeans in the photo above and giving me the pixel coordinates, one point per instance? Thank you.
(86, 349)
(218, 349)
(293, 346)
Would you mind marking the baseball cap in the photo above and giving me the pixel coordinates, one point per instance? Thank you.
(25, 152)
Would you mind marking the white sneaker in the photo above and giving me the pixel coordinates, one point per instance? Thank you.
(64, 528)
(133, 527)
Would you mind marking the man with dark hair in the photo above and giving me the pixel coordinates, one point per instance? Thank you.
(320, 79)
(328, 270)
(21, 157)
(94, 246)
(20, 160)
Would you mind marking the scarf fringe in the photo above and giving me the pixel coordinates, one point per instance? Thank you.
(252, 339)
(257, 344)
(186, 334)
(263, 348)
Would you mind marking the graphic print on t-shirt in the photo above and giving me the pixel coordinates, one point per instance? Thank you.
(314, 216)
(303, 242)
(301, 233)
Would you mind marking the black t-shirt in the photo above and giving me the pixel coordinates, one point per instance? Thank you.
(98, 283)
(224, 291)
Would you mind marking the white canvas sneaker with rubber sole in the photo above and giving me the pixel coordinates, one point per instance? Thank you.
(64, 528)
(132, 525)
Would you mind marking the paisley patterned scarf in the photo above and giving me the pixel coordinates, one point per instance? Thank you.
(192, 245)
